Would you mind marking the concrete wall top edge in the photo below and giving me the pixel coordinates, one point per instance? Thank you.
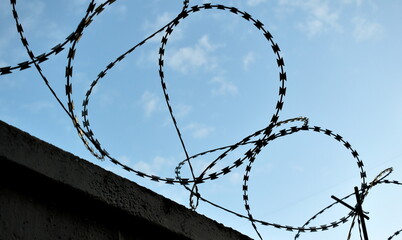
(63, 167)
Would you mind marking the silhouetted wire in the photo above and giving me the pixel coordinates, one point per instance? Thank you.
(395, 234)
(379, 179)
(264, 136)
(359, 224)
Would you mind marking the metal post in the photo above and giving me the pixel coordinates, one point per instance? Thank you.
(359, 211)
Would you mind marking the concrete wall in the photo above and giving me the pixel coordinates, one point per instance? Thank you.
(47, 193)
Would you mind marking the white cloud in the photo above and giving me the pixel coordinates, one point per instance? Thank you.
(205, 43)
(150, 103)
(190, 58)
(223, 87)
(124, 159)
(199, 130)
(144, 167)
(312, 27)
(248, 59)
(160, 21)
(154, 166)
(236, 178)
(365, 30)
(182, 110)
(254, 3)
(34, 20)
(319, 15)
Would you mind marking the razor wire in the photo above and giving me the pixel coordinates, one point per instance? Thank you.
(255, 141)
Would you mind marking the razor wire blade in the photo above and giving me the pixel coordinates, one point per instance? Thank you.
(255, 141)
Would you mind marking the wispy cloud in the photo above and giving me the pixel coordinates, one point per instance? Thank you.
(236, 178)
(206, 44)
(150, 103)
(320, 17)
(182, 110)
(248, 59)
(154, 166)
(365, 30)
(34, 18)
(199, 130)
(223, 87)
(187, 59)
(160, 21)
(124, 159)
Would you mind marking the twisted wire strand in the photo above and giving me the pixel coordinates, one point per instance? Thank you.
(285, 132)
(37, 60)
(281, 133)
(33, 59)
(395, 234)
(365, 191)
(257, 140)
(169, 28)
(360, 229)
(164, 41)
(379, 179)
(59, 47)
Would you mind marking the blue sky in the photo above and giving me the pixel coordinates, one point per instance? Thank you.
(343, 63)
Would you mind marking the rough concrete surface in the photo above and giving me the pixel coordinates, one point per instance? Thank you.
(47, 193)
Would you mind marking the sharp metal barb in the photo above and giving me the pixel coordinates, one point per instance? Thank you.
(253, 143)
